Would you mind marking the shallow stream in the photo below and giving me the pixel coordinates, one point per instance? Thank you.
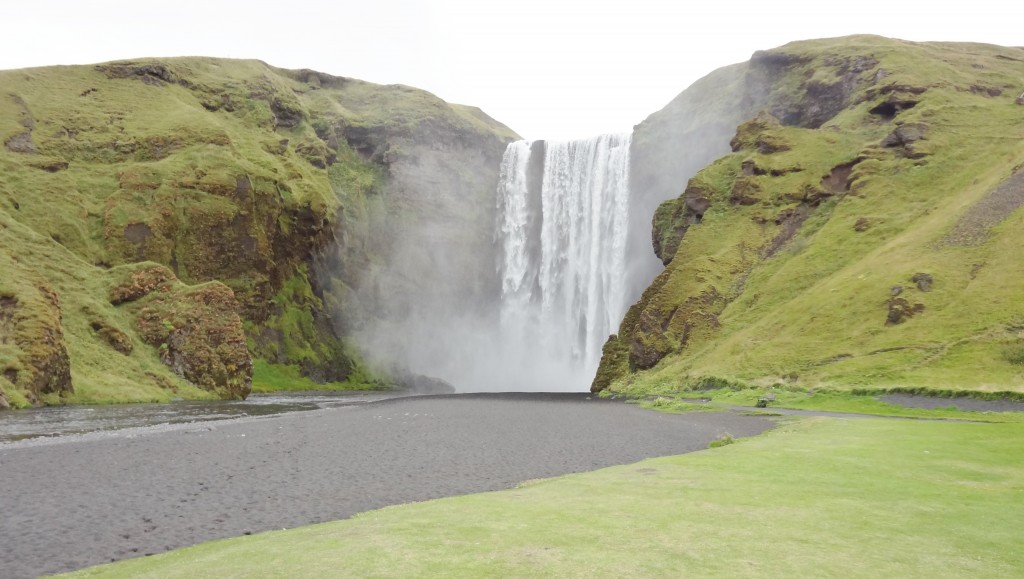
(52, 421)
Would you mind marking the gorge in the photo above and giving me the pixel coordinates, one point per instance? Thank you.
(196, 227)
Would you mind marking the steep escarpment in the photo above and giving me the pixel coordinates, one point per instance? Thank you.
(413, 256)
(219, 170)
(850, 239)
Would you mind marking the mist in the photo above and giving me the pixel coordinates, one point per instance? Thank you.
(506, 267)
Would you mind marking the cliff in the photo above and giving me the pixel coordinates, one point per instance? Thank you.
(858, 233)
(211, 171)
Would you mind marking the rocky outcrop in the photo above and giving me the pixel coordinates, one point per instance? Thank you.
(197, 331)
(30, 323)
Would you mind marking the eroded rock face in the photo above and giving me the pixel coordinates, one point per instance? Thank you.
(151, 73)
(32, 323)
(197, 330)
(817, 101)
(650, 344)
(199, 336)
(114, 337)
(673, 218)
(141, 283)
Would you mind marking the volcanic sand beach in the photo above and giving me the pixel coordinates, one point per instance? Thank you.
(81, 501)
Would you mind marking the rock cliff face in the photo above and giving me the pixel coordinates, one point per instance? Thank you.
(854, 169)
(220, 170)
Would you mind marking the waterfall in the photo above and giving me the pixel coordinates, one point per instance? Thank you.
(563, 219)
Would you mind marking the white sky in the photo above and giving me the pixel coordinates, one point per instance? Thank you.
(546, 68)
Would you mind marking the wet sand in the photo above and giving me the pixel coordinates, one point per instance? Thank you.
(84, 500)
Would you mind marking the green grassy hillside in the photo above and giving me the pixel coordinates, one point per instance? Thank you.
(222, 170)
(861, 235)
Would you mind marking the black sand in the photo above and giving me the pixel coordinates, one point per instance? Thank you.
(85, 500)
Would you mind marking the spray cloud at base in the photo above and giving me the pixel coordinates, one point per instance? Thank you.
(529, 308)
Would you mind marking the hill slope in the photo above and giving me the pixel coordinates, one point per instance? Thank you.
(219, 170)
(863, 232)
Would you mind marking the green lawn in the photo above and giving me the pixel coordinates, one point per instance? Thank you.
(819, 497)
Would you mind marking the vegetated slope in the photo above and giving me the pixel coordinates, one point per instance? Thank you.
(863, 233)
(219, 170)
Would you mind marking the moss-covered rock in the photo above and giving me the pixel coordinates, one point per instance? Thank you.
(199, 336)
(32, 334)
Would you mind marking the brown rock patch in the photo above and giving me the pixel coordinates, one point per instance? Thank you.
(114, 337)
(900, 310)
(200, 337)
(141, 283)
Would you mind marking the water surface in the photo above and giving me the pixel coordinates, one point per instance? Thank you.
(53, 421)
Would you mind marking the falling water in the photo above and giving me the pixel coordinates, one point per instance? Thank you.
(563, 216)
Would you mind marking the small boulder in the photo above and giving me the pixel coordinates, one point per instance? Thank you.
(905, 135)
(923, 281)
(861, 225)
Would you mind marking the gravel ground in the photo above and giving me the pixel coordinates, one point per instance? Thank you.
(78, 501)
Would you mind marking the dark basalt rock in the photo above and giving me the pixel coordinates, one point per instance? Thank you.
(892, 106)
(905, 135)
(152, 73)
(923, 281)
(903, 139)
(900, 310)
(286, 115)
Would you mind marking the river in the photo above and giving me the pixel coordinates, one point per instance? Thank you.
(56, 421)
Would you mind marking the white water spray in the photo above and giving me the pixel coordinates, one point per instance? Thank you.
(563, 218)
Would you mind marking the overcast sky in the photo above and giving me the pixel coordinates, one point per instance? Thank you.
(546, 68)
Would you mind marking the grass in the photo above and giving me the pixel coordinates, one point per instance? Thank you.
(677, 406)
(822, 497)
(268, 377)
